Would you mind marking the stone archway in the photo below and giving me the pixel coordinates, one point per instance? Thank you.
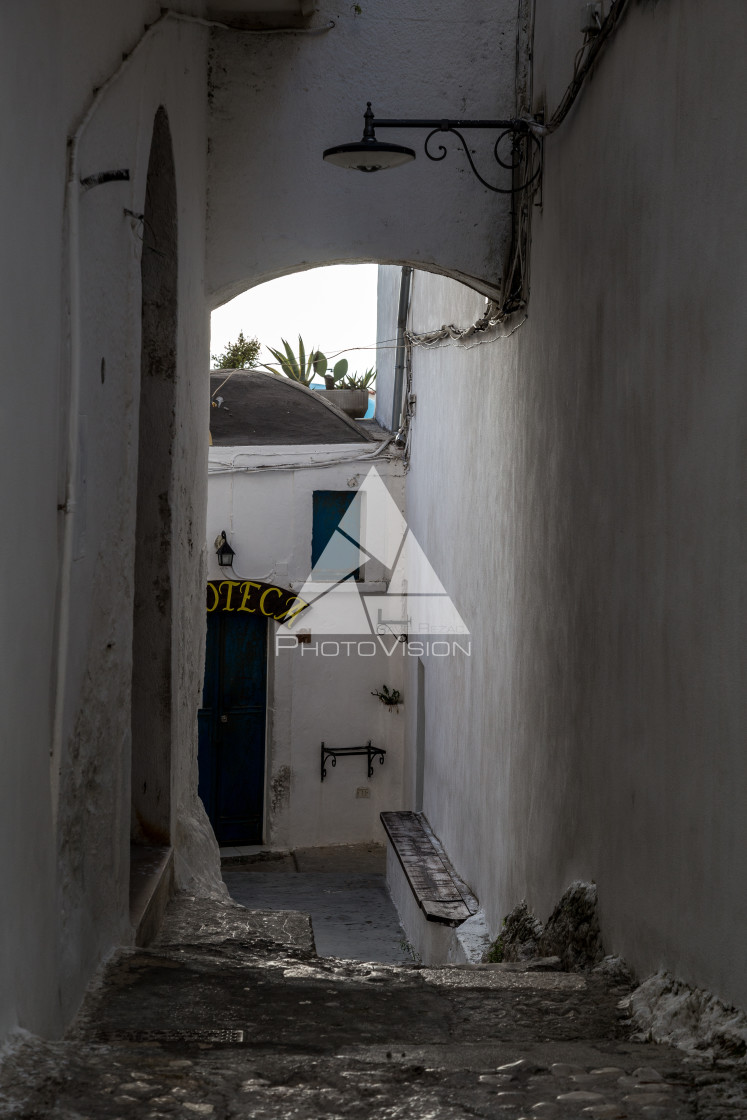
(277, 102)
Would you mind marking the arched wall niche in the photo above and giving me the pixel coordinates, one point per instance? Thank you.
(152, 612)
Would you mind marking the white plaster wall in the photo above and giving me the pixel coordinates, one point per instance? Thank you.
(580, 489)
(278, 101)
(65, 831)
(431, 941)
(387, 304)
(28, 497)
(312, 696)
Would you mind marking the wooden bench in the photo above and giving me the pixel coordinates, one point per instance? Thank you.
(440, 893)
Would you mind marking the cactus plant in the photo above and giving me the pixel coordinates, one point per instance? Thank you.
(338, 372)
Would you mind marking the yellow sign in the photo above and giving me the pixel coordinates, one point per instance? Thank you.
(251, 596)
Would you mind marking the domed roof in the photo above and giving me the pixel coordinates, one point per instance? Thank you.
(249, 407)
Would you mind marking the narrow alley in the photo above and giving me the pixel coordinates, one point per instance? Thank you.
(342, 889)
(373, 717)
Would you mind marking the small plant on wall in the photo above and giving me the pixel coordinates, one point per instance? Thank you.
(392, 698)
(359, 380)
(339, 378)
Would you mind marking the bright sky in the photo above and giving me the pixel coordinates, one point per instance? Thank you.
(333, 309)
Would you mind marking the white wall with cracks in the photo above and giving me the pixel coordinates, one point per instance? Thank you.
(588, 517)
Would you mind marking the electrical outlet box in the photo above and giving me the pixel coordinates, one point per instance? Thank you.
(363, 791)
(591, 18)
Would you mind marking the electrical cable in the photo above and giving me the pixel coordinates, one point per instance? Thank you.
(594, 44)
(494, 324)
(498, 318)
(315, 464)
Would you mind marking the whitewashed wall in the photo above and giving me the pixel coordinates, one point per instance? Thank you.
(64, 797)
(320, 691)
(387, 303)
(580, 488)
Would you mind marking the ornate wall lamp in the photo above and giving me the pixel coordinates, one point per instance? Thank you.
(370, 154)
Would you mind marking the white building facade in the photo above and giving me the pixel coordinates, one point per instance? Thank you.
(319, 679)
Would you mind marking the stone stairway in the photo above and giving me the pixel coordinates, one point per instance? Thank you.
(231, 1014)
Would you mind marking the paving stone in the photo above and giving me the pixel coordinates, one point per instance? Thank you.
(646, 1074)
(232, 1015)
(581, 1096)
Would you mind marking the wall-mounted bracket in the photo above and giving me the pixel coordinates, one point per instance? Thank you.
(334, 753)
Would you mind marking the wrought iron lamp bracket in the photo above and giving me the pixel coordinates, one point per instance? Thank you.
(524, 144)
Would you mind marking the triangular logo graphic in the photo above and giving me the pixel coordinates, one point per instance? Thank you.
(383, 527)
(413, 602)
(337, 608)
(413, 573)
(340, 558)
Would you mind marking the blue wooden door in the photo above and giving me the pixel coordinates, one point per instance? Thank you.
(232, 726)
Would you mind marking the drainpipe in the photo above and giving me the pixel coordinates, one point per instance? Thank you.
(401, 356)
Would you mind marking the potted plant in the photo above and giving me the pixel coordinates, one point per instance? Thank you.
(392, 698)
(350, 391)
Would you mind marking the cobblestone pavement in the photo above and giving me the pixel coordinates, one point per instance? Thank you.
(233, 1015)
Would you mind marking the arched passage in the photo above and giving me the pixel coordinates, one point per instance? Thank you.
(152, 617)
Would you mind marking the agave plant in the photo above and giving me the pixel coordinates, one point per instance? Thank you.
(360, 380)
(300, 367)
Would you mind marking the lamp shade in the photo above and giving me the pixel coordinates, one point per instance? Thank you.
(368, 155)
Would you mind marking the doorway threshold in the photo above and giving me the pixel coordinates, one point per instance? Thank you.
(151, 883)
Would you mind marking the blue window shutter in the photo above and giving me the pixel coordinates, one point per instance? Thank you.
(330, 506)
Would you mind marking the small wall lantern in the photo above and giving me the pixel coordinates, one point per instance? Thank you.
(224, 551)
